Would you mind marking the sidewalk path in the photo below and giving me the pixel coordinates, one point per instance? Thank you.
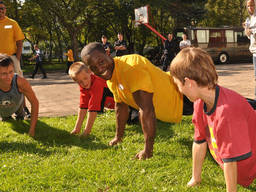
(238, 77)
(58, 95)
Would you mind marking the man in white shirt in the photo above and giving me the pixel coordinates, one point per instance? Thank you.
(185, 42)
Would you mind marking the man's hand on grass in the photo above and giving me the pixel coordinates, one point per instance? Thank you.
(143, 155)
(115, 141)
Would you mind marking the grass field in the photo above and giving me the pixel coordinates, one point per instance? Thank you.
(28, 68)
(57, 161)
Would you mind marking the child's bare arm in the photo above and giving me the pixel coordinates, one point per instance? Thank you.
(198, 155)
(89, 123)
(230, 173)
(80, 119)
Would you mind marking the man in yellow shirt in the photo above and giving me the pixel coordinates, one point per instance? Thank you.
(11, 38)
(136, 82)
(70, 56)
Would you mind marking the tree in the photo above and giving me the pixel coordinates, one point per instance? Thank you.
(224, 12)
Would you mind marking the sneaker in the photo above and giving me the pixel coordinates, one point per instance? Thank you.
(19, 117)
(7, 118)
(44, 77)
(27, 113)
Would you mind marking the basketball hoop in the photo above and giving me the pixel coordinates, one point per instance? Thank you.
(137, 23)
(141, 15)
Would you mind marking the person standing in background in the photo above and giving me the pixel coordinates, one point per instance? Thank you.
(107, 46)
(250, 30)
(120, 45)
(185, 41)
(70, 56)
(39, 62)
(11, 38)
(171, 48)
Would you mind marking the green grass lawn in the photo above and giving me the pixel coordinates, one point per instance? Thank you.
(56, 161)
(28, 67)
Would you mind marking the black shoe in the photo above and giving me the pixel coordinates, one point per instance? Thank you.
(44, 77)
(32, 77)
(19, 117)
(27, 113)
(7, 118)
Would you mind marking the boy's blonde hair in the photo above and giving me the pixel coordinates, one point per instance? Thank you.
(76, 68)
(196, 64)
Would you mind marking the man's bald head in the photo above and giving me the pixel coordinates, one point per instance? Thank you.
(89, 49)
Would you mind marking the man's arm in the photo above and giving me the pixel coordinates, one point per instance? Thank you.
(120, 47)
(122, 114)
(26, 89)
(19, 49)
(148, 121)
(198, 155)
(123, 46)
(89, 123)
(230, 173)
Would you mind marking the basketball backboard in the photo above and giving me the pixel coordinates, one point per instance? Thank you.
(141, 15)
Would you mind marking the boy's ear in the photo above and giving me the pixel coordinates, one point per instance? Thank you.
(189, 82)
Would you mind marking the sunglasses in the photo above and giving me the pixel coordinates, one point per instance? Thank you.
(2, 8)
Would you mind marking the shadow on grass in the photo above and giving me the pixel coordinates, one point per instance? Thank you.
(20, 146)
(252, 188)
(51, 136)
(163, 130)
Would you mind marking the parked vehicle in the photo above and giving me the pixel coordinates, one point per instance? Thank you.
(223, 43)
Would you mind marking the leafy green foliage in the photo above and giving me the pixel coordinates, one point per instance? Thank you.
(224, 12)
(56, 161)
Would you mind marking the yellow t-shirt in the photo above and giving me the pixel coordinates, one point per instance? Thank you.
(133, 73)
(70, 55)
(10, 32)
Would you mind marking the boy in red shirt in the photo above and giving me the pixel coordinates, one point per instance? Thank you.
(223, 119)
(94, 96)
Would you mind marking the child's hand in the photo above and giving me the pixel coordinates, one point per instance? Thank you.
(193, 182)
(75, 132)
(86, 133)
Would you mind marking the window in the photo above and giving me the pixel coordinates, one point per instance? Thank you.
(202, 36)
(215, 34)
(230, 36)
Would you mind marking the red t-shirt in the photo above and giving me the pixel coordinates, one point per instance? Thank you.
(97, 96)
(230, 131)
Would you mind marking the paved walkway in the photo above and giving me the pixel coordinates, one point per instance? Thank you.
(238, 77)
(58, 95)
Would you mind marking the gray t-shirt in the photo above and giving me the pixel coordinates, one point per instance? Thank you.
(10, 101)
